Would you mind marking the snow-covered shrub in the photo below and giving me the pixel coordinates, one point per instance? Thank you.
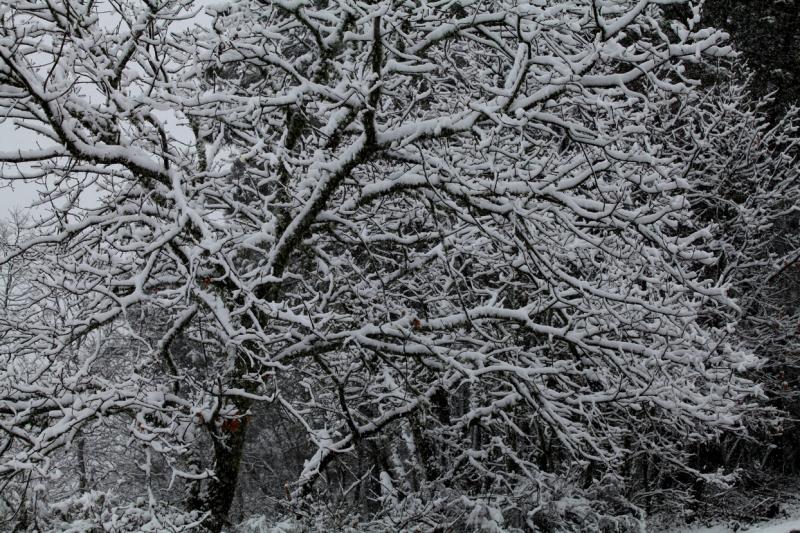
(94, 511)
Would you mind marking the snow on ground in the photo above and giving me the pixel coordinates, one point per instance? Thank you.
(785, 525)
(777, 527)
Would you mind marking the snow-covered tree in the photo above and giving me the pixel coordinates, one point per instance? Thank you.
(746, 179)
(445, 241)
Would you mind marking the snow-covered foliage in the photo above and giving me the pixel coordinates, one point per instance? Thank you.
(449, 243)
(746, 182)
(91, 511)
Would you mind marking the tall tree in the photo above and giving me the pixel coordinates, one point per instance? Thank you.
(442, 237)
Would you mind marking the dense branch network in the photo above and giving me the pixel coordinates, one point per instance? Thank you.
(369, 206)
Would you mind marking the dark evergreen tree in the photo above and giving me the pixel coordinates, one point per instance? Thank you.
(767, 33)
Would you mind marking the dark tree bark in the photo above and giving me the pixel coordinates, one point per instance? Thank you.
(228, 449)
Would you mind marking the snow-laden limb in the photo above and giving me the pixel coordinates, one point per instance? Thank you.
(450, 228)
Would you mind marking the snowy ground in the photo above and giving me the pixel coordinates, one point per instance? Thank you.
(785, 525)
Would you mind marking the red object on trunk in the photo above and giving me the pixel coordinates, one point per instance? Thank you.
(231, 425)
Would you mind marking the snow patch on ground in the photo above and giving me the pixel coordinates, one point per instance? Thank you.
(777, 527)
(785, 525)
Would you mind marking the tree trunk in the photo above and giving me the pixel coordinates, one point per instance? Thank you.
(83, 478)
(228, 449)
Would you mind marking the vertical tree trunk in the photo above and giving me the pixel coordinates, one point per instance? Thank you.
(646, 482)
(426, 451)
(83, 479)
(194, 487)
(228, 449)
